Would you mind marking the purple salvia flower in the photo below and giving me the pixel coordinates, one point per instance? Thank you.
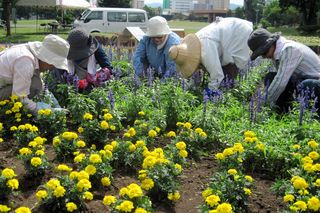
(111, 99)
(314, 107)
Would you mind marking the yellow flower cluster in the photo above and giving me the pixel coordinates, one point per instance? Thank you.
(152, 158)
(64, 167)
(71, 206)
(25, 127)
(109, 199)
(23, 209)
(182, 149)
(125, 206)
(87, 116)
(4, 208)
(9, 174)
(222, 208)
(46, 112)
(36, 161)
(174, 196)
(70, 135)
(107, 116)
(106, 181)
(133, 191)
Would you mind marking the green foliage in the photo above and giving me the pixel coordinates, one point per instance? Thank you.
(50, 122)
(65, 145)
(8, 182)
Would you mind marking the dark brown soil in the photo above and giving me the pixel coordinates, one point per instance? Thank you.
(193, 181)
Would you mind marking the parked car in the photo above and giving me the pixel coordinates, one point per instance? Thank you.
(111, 20)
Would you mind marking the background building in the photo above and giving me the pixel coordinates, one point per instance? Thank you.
(137, 4)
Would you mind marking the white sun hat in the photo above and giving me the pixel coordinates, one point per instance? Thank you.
(186, 55)
(157, 26)
(52, 50)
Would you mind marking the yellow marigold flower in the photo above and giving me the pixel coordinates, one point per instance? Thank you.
(152, 133)
(141, 113)
(237, 147)
(74, 175)
(132, 148)
(71, 206)
(81, 144)
(140, 210)
(79, 158)
(32, 144)
(8, 173)
(171, 134)
(248, 178)
(93, 147)
(212, 200)
(123, 191)
(125, 206)
(207, 192)
(90, 169)
(13, 183)
(147, 184)
(313, 144)
(300, 183)
(87, 196)
(1, 140)
(134, 190)
(104, 125)
(183, 153)
(181, 145)
(149, 162)
(140, 143)
(307, 159)
(174, 196)
(142, 174)
(36, 161)
(220, 156)
(70, 135)
(8, 112)
(313, 155)
(317, 183)
(301, 205)
(247, 191)
(41, 194)
(187, 125)
(13, 128)
(179, 124)
(260, 146)
(108, 154)
(249, 134)
(228, 151)
(114, 144)
(132, 132)
(56, 141)
(4, 208)
(25, 151)
(157, 129)
(80, 129)
(112, 127)
(224, 208)
(40, 140)
(23, 209)
(53, 183)
(95, 158)
(83, 175)
(108, 147)
(64, 167)
(87, 116)
(303, 192)
(109, 199)
(107, 116)
(232, 172)
(314, 203)
(83, 184)
(127, 135)
(59, 191)
(288, 198)
(178, 167)
(308, 167)
(296, 146)
(105, 181)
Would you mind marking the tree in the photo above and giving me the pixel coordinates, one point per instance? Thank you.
(114, 3)
(6, 4)
(308, 8)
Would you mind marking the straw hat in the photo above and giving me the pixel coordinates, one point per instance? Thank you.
(260, 41)
(82, 45)
(187, 55)
(52, 50)
(157, 26)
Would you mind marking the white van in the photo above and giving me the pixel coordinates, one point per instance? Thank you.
(111, 20)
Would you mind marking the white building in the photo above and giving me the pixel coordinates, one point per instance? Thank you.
(181, 6)
(139, 4)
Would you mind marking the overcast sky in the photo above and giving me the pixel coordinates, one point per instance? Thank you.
(240, 2)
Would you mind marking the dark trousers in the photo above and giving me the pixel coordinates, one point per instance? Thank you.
(294, 88)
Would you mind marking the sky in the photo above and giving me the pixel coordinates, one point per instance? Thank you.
(240, 2)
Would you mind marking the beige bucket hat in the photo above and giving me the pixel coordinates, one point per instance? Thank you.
(157, 26)
(187, 55)
(52, 50)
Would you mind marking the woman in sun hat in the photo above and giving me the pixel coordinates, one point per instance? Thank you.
(153, 49)
(296, 64)
(84, 55)
(21, 66)
(220, 48)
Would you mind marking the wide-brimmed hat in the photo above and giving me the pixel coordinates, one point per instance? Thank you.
(187, 55)
(82, 44)
(157, 26)
(260, 41)
(52, 50)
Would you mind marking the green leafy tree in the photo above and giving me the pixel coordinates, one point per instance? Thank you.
(272, 13)
(308, 8)
(239, 12)
(114, 3)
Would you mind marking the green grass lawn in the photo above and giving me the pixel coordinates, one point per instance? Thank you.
(30, 30)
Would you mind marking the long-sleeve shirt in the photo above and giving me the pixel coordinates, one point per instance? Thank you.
(148, 54)
(18, 65)
(292, 60)
(224, 42)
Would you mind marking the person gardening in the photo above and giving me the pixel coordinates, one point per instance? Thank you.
(220, 48)
(84, 56)
(153, 49)
(21, 66)
(297, 67)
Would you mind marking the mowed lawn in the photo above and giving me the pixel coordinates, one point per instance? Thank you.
(31, 30)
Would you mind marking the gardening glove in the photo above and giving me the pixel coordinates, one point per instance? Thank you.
(104, 74)
(54, 100)
(42, 105)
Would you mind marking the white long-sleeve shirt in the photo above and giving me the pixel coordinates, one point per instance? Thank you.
(224, 42)
(18, 65)
(292, 59)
